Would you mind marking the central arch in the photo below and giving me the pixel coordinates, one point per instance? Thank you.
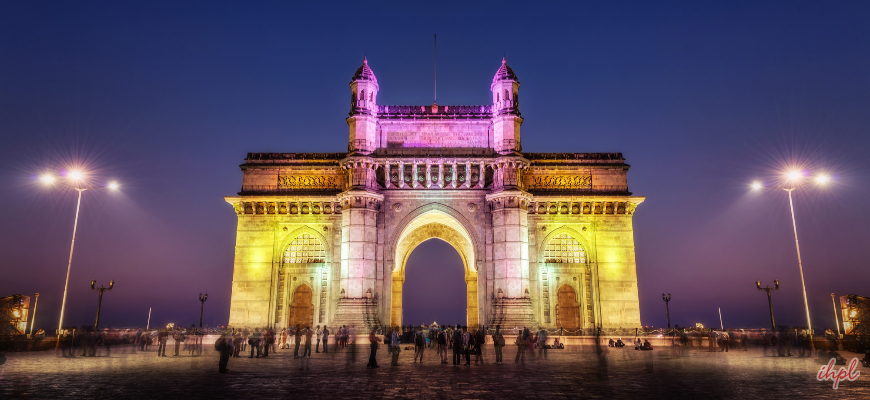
(434, 223)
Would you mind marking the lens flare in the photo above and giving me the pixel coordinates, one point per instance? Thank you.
(794, 175)
(75, 175)
(823, 179)
(113, 185)
(756, 185)
(47, 179)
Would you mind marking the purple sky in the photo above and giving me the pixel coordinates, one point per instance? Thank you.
(700, 98)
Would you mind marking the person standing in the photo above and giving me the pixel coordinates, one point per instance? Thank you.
(542, 343)
(254, 341)
(308, 334)
(325, 339)
(480, 341)
(456, 342)
(521, 348)
(725, 339)
(498, 343)
(373, 344)
(297, 339)
(317, 335)
(443, 339)
(162, 338)
(395, 346)
(237, 343)
(179, 338)
(224, 345)
(467, 344)
(419, 344)
(283, 343)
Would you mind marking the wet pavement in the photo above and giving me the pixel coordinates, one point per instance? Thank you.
(575, 372)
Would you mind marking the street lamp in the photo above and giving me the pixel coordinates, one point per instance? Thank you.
(101, 289)
(768, 289)
(75, 179)
(667, 300)
(202, 300)
(793, 178)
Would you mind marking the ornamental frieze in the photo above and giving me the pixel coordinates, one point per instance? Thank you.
(307, 182)
(559, 182)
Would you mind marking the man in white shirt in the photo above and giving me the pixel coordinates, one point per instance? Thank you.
(318, 333)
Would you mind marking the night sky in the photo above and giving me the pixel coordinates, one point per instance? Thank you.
(701, 99)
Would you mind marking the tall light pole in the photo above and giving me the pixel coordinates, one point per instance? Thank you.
(834, 303)
(768, 289)
(35, 302)
(202, 300)
(100, 289)
(667, 300)
(793, 178)
(75, 177)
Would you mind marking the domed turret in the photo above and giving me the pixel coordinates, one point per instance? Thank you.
(364, 73)
(504, 73)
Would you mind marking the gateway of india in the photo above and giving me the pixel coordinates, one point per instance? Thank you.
(324, 238)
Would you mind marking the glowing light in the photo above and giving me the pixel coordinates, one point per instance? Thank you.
(113, 185)
(75, 175)
(699, 325)
(853, 314)
(794, 175)
(47, 179)
(16, 314)
(823, 179)
(756, 185)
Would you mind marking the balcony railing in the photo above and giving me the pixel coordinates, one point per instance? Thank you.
(277, 189)
(592, 189)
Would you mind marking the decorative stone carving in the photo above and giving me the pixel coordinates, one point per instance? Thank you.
(471, 207)
(397, 207)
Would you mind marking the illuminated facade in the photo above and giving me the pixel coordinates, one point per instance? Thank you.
(546, 238)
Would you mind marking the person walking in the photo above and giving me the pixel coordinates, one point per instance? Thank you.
(498, 343)
(237, 343)
(395, 346)
(297, 337)
(456, 342)
(325, 339)
(254, 341)
(542, 343)
(373, 344)
(162, 338)
(317, 335)
(725, 339)
(224, 345)
(521, 348)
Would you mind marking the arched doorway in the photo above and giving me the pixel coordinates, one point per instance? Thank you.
(567, 309)
(433, 288)
(434, 224)
(301, 307)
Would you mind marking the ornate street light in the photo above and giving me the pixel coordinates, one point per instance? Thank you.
(667, 300)
(792, 178)
(202, 300)
(768, 289)
(100, 289)
(75, 179)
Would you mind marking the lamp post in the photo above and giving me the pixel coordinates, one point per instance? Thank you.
(667, 300)
(768, 289)
(33, 320)
(792, 179)
(76, 177)
(100, 289)
(202, 300)
(834, 303)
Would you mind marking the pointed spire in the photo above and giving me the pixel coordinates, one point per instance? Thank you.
(364, 72)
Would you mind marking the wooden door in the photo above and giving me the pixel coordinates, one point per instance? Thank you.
(301, 307)
(568, 310)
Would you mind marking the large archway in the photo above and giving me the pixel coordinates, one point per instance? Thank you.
(434, 224)
(433, 290)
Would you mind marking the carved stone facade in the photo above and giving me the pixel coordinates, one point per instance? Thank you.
(546, 238)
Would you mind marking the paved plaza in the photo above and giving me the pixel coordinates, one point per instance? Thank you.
(575, 372)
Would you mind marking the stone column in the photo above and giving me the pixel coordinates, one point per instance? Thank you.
(428, 174)
(401, 175)
(359, 242)
(482, 174)
(467, 183)
(510, 253)
(453, 181)
(441, 174)
(388, 183)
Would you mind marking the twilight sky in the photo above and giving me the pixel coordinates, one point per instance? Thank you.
(701, 98)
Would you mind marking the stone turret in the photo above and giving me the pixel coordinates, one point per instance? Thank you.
(506, 112)
(362, 119)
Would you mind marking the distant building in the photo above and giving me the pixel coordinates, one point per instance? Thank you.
(546, 238)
